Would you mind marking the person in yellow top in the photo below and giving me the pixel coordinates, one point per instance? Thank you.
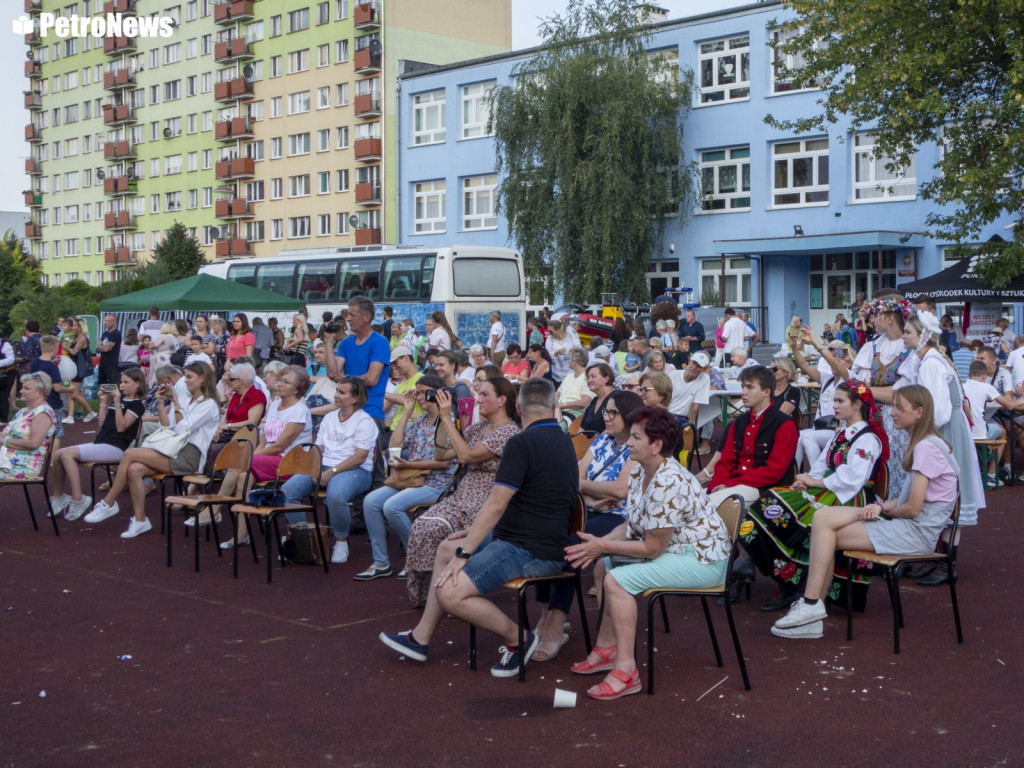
(402, 364)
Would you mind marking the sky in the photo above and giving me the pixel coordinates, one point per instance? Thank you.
(526, 15)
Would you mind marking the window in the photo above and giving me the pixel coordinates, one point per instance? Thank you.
(476, 109)
(172, 164)
(737, 280)
(298, 186)
(71, 214)
(154, 167)
(253, 31)
(207, 197)
(428, 118)
(191, 86)
(323, 140)
(298, 61)
(172, 127)
(207, 159)
(277, 278)
(254, 109)
(71, 113)
(193, 161)
(405, 277)
(341, 137)
(323, 224)
(786, 66)
(298, 144)
(725, 69)
(428, 207)
(254, 149)
(254, 231)
(725, 179)
(154, 203)
(342, 178)
(206, 44)
(275, 147)
(323, 55)
(276, 189)
(872, 181)
(298, 226)
(71, 180)
(340, 9)
(485, 277)
(193, 199)
(254, 191)
(323, 13)
(277, 229)
(298, 102)
(275, 26)
(323, 97)
(172, 53)
(341, 94)
(343, 223)
(275, 66)
(206, 82)
(341, 51)
(275, 106)
(208, 121)
(323, 182)
(478, 202)
(800, 172)
(298, 20)
(172, 201)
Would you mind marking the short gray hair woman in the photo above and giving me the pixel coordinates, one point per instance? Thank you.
(28, 435)
(245, 372)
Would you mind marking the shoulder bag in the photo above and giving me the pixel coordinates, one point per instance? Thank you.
(166, 441)
(400, 479)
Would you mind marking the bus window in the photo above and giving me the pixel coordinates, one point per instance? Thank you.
(318, 281)
(402, 278)
(277, 278)
(359, 277)
(244, 274)
(486, 277)
(427, 283)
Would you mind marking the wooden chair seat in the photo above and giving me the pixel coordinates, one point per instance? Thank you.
(889, 561)
(202, 500)
(249, 509)
(197, 479)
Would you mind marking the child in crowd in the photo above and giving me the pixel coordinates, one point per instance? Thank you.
(197, 355)
(979, 394)
(633, 360)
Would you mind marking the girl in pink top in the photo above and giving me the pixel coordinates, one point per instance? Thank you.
(242, 341)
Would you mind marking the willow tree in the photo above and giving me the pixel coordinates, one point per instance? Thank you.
(588, 150)
(926, 71)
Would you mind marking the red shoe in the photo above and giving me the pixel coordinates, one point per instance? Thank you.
(604, 691)
(606, 661)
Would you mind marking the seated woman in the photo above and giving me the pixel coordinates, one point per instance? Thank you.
(654, 362)
(837, 359)
(271, 372)
(245, 406)
(387, 505)
(119, 410)
(604, 482)
(197, 418)
(347, 437)
(912, 523)
(27, 436)
(600, 381)
(656, 389)
(776, 538)
(672, 537)
(479, 452)
(786, 394)
(541, 361)
(288, 424)
(515, 366)
(573, 393)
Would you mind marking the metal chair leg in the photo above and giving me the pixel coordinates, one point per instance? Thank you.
(711, 628)
(650, 642)
(736, 644)
(850, 566)
(664, 613)
(31, 512)
(583, 613)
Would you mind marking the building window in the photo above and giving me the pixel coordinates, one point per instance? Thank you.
(737, 280)
(275, 106)
(323, 140)
(341, 137)
(298, 186)
(298, 226)
(478, 202)
(276, 189)
(725, 179)
(428, 118)
(323, 97)
(800, 172)
(343, 223)
(341, 94)
(476, 109)
(254, 149)
(275, 66)
(725, 69)
(786, 66)
(298, 61)
(341, 51)
(340, 9)
(429, 207)
(873, 181)
(277, 229)
(298, 20)
(342, 177)
(298, 144)
(323, 224)
(323, 55)
(298, 102)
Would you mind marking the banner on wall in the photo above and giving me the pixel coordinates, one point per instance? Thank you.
(984, 316)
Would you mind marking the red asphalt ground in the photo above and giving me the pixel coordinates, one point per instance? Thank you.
(235, 672)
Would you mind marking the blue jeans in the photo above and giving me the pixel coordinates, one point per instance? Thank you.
(500, 561)
(341, 489)
(387, 506)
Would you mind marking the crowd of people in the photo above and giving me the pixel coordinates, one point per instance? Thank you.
(467, 454)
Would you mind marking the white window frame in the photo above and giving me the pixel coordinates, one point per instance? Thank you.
(429, 203)
(478, 202)
(714, 57)
(475, 110)
(428, 118)
(783, 154)
(872, 182)
(734, 161)
(792, 62)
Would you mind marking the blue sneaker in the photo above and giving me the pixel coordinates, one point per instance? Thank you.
(508, 664)
(405, 645)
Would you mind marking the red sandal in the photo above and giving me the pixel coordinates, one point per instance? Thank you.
(606, 661)
(604, 692)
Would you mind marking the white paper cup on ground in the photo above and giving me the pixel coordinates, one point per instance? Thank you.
(564, 699)
(394, 454)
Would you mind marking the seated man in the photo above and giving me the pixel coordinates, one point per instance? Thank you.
(529, 511)
(573, 394)
(690, 388)
(758, 449)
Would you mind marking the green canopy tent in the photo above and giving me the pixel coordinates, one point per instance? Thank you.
(201, 292)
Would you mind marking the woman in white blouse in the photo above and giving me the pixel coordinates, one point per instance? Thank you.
(196, 418)
(672, 537)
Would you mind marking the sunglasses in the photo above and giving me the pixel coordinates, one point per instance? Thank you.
(773, 368)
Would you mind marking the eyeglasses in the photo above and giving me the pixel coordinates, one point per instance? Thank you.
(630, 387)
(611, 413)
(233, 378)
(645, 390)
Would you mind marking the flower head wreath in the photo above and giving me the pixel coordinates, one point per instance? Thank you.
(863, 392)
(894, 305)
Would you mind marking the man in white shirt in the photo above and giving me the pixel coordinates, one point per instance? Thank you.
(497, 341)
(690, 388)
(1015, 364)
(734, 335)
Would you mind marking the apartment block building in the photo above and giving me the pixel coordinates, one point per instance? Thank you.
(260, 125)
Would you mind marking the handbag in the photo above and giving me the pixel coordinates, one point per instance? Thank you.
(179, 356)
(301, 546)
(400, 479)
(267, 497)
(84, 364)
(166, 441)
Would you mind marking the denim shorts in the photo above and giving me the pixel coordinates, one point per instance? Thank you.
(500, 562)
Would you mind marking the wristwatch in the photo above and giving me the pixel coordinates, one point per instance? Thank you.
(463, 554)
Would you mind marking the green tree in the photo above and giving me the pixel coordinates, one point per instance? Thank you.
(177, 256)
(19, 277)
(47, 304)
(588, 149)
(917, 72)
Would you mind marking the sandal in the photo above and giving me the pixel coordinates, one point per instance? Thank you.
(549, 651)
(605, 661)
(605, 692)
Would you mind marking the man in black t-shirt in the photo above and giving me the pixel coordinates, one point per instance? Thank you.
(110, 351)
(529, 511)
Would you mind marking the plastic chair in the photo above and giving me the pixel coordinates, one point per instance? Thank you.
(579, 522)
(44, 481)
(731, 510)
(893, 567)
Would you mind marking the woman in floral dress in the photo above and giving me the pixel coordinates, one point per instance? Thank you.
(28, 435)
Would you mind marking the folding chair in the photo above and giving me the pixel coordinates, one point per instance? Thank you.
(579, 522)
(236, 455)
(44, 481)
(92, 466)
(893, 567)
(304, 459)
(731, 510)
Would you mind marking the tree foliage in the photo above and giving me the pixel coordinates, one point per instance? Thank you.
(947, 71)
(588, 150)
(19, 277)
(48, 303)
(177, 256)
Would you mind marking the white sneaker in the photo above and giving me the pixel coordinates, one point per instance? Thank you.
(77, 508)
(340, 552)
(801, 613)
(811, 631)
(101, 512)
(90, 416)
(136, 528)
(68, 420)
(58, 503)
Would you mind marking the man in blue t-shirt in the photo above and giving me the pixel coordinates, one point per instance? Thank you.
(364, 353)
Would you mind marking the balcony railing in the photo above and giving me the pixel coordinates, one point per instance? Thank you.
(368, 236)
(232, 90)
(119, 78)
(366, 62)
(117, 114)
(33, 132)
(234, 246)
(33, 100)
(33, 69)
(367, 149)
(236, 168)
(234, 49)
(115, 46)
(119, 220)
(118, 257)
(33, 6)
(33, 39)
(33, 199)
(235, 128)
(33, 231)
(368, 192)
(233, 209)
(124, 7)
(33, 167)
(366, 16)
(366, 104)
(120, 185)
(230, 12)
(118, 150)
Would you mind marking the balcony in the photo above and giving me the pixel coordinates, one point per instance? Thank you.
(118, 79)
(233, 129)
(236, 168)
(118, 257)
(115, 46)
(33, 199)
(33, 100)
(228, 13)
(368, 192)
(366, 16)
(124, 7)
(118, 150)
(33, 132)
(366, 104)
(233, 209)
(232, 90)
(33, 69)
(33, 6)
(235, 49)
(235, 246)
(117, 114)
(120, 185)
(368, 150)
(33, 231)
(365, 62)
(33, 167)
(368, 236)
(33, 39)
(119, 220)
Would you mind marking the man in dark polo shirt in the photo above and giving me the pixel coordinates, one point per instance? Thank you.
(110, 351)
(529, 513)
